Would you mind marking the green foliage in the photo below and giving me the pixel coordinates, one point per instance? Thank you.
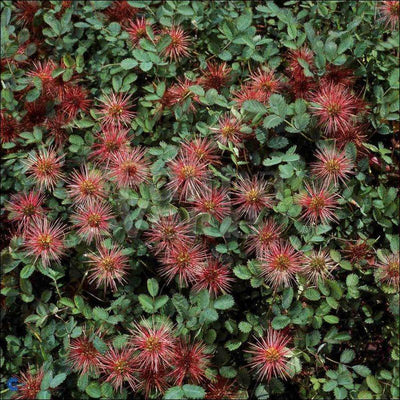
(343, 329)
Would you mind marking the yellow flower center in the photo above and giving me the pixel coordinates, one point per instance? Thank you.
(45, 241)
(318, 263)
(272, 355)
(153, 344)
(332, 166)
(107, 263)
(94, 220)
(87, 187)
(209, 205)
(115, 110)
(317, 203)
(183, 258)
(29, 210)
(253, 195)
(129, 168)
(188, 171)
(282, 262)
(45, 167)
(228, 131)
(333, 109)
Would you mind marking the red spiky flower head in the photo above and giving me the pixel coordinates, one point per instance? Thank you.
(75, 99)
(168, 232)
(390, 11)
(318, 266)
(9, 127)
(25, 207)
(153, 343)
(295, 69)
(110, 141)
(358, 251)
(129, 168)
(118, 366)
(188, 176)
(280, 263)
(92, 220)
(332, 166)
(221, 389)
(26, 11)
(151, 381)
(183, 261)
(86, 185)
(29, 385)
(56, 128)
(43, 71)
(83, 356)
(44, 167)
(190, 362)
(180, 92)
(263, 236)
(213, 202)
(266, 82)
(247, 92)
(116, 110)
(338, 75)
(356, 135)
(335, 108)
(251, 196)
(120, 11)
(389, 270)
(228, 130)
(107, 267)
(319, 204)
(201, 148)
(215, 277)
(179, 46)
(45, 240)
(215, 76)
(138, 30)
(269, 355)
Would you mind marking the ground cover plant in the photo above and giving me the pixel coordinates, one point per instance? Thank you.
(199, 199)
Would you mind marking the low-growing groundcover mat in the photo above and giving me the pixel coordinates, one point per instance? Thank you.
(199, 199)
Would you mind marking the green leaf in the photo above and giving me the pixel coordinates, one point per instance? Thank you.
(347, 356)
(211, 231)
(93, 390)
(374, 384)
(272, 121)
(27, 271)
(278, 142)
(174, 393)
(242, 272)
(57, 380)
(312, 294)
(287, 297)
(254, 106)
(224, 302)
(77, 140)
(228, 372)
(280, 322)
(331, 319)
(152, 287)
(245, 327)
(278, 105)
(146, 302)
(194, 392)
(243, 22)
(352, 280)
(129, 63)
(100, 313)
(362, 370)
